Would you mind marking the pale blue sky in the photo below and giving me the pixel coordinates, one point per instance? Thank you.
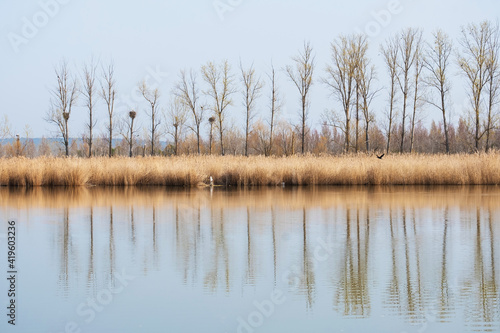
(150, 36)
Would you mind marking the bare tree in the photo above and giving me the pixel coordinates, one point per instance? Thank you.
(493, 84)
(108, 93)
(417, 98)
(252, 86)
(365, 75)
(390, 52)
(341, 79)
(152, 97)
(64, 96)
(408, 42)
(437, 63)
(88, 91)
(474, 61)
(188, 93)
(275, 107)
(302, 76)
(176, 118)
(220, 89)
(127, 130)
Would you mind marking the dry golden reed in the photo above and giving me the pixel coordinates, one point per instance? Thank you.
(477, 169)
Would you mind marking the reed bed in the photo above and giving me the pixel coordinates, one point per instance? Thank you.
(477, 169)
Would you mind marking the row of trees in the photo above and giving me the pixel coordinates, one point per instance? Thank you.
(419, 74)
(286, 142)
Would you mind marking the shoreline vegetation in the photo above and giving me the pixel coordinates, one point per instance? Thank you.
(240, 171)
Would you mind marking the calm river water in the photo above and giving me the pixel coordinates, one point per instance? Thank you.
(383, 259)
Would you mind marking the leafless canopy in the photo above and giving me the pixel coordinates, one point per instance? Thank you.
(301, 74)
(88, 90)
(408, 43)
(437, 62)
(390, 52)
(176, 119)
(252, 86)
(341, 78)
(152, 97)
(63, 98)
(220, 89)
(365, 76)
(275, 107)
(479, 64)
(108, 93)
(188, 93)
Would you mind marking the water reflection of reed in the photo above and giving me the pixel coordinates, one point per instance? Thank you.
(226, 239)
(289, 198)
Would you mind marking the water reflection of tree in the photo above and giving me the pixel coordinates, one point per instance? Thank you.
(308, 278)
(111, 245)
(188, 239)
(353, 290)
(394, 292)
(418, 272)
(132, 228)
(481, 286)
(445, 299)
(155, 243)
(273, 231)
(220, 259)
(250, 271)
(405, 295)
(66, 251)
(413, 307)
(90, 275)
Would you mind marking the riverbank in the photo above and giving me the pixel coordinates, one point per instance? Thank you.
(477, 169)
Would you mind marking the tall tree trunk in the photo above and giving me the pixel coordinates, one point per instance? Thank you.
(347, 129)
(211, 136)
(490, 109)
(176, 141)
(90, 133)
(401, 149)
(412, 132)
(131, 137)
(391, 110)
(304, 105)
(445, 124)
(247, 129)
(152, 131)
(367, 128)
(110, 152)
(66, 140)
(274, 97)
(478, 125)
(357, 119)
(367, 139)
(198, 137)
(221, 137)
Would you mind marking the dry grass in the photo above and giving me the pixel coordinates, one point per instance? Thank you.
(479, 169)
